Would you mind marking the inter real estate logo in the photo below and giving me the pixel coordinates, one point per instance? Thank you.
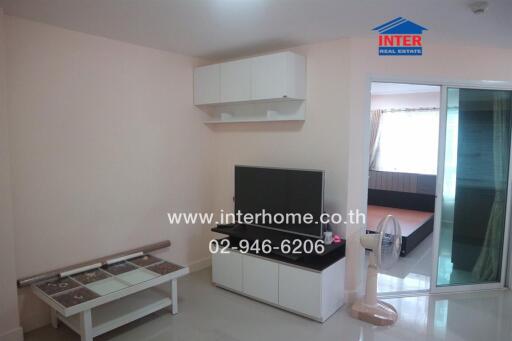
(400, 37)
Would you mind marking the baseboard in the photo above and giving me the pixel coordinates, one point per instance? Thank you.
(14, 335)
(200, 264)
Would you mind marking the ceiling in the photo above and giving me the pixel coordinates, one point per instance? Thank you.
(400, 88)
(218, 29)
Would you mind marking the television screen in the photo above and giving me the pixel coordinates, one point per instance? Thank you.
(281, 193)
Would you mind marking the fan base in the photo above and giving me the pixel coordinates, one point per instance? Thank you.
(381, 314)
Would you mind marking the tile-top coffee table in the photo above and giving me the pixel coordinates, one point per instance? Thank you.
(99, 300)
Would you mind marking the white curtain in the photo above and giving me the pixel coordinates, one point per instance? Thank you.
(375, 117)
(407, 142)
(487, 267)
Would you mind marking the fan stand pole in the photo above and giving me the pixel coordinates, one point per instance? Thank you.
(370, 298)
(368, 308)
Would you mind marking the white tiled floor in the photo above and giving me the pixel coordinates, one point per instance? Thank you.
(410, 273)
(210, 313)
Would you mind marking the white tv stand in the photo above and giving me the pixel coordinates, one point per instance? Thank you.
(316, 292)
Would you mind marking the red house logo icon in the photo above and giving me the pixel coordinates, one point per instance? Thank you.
(400, 37)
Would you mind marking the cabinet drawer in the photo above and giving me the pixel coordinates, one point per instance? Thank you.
(207, 84)
(227, 270)
(235, 81)
(269, 77)
(300, 290)
(260, 278)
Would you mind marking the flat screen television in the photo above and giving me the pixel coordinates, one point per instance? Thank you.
(279, 192)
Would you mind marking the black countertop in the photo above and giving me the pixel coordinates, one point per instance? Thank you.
(313, 261)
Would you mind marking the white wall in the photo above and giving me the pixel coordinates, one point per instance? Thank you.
(9, 322)
(104, 142)
(335, 134)
(439, 62)
(318, 143)
(321, 142)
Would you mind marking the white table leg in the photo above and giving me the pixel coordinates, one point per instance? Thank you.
(53, 318)
(86, 325)
(174, 296)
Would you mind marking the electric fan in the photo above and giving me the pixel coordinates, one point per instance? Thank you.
(384, 246)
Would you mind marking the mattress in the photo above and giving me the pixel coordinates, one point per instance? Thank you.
(410, 220)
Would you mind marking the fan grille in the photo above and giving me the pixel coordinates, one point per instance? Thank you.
(391, 241)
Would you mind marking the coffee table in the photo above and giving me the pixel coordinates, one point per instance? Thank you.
(101, 299)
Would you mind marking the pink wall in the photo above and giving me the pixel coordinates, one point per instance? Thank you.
(449, 62)
(321, 142)
(9, 323)
(335, 134)
(104, 142)
(318, 143)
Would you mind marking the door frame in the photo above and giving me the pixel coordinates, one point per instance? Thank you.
(444, 84)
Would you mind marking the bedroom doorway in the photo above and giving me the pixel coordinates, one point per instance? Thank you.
(404, 135)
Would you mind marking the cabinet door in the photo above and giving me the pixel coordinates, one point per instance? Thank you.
(260, 278)
(235, 80)
(269, 76)
(300, 290)
(227, 270)
(207, 84)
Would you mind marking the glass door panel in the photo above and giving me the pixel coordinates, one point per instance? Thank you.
(474, 187)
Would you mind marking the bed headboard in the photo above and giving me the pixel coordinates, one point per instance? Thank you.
(409, 201)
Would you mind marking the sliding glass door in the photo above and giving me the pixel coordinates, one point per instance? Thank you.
(473, 190)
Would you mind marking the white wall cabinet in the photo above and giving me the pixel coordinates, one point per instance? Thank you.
(207, 84)
(279, 75)
(247, 90)
(311, 293)
(235, 81)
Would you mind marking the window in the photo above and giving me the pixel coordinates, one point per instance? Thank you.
(407, 142)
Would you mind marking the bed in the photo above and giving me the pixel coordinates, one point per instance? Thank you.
(414, 211)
